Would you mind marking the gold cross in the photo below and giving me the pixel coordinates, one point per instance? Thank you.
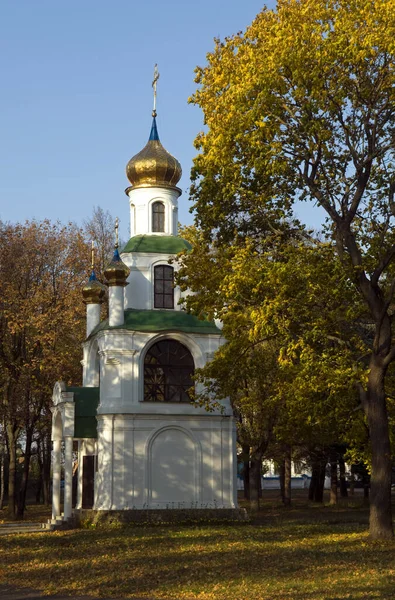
(93, 255)
(116, 232)
(154, 84)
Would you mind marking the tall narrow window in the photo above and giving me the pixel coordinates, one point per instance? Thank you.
(158, 216)
(163, 287)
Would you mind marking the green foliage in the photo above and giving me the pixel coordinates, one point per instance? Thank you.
(290, 364)
(301, 106)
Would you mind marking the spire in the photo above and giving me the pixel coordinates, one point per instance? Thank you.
(116, 227)
(93, 292)
(116, 271)
(154, 136)
(93, 274)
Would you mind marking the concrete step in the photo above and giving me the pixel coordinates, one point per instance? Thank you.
(22, 528)
(60, 522)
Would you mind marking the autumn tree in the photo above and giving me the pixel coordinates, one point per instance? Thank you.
(302, 107)
(100, 229)
(288, 365)
(42, 269)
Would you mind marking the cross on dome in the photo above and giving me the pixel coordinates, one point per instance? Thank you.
(153, 166)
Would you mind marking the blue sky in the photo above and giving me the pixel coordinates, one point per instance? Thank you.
(76, 97)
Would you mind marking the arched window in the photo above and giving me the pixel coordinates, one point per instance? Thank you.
(163, 286)
(168, 371)
(158, 216)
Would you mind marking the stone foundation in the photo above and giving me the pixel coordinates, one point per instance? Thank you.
(118, 518)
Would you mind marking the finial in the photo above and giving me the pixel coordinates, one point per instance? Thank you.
(93, 255)
(116, 232)
(154, 83)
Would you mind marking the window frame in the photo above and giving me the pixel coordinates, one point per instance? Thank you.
(167, 283)
(158, 217)
(165, 379)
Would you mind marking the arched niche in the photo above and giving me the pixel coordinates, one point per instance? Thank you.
(159, 216)
(57, 425)
(92, 378)
(173, 469)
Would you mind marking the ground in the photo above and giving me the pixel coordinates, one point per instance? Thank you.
(307, 552)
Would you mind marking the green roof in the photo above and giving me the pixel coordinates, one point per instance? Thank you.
(162, 320)
(86, 400)
(158, 244)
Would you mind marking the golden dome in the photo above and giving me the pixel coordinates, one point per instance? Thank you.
(116, 272)
(93, 292)
(153, 165)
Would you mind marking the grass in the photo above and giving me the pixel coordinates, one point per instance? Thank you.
(34, 513)
(307, 552)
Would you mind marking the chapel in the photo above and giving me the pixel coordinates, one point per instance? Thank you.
(130, 438)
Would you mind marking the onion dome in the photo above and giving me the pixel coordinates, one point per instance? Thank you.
(153, 165)
(116, 272)
(94, 291)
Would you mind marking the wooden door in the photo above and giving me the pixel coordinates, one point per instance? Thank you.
(88, 481)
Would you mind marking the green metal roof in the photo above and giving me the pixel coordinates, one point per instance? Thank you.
(86, 400)
(158, 244)
(161, 320)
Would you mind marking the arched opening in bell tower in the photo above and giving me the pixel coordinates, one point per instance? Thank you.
(158, 217)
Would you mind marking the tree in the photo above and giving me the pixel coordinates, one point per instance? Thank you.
(42, 269)
(302, 107)
(288, 364)
(100, 229)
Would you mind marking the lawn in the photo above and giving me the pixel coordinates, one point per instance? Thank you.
(306, 552)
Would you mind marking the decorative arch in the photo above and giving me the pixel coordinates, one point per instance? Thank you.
(92, 377)
(167, 208)
(57, 424)
(62, 412)
(173, 466)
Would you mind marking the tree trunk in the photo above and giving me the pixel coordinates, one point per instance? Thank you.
(333, 492)
(319, 492)
(342, 473)
(287, 478)
(255, 475)
(2, 476)
(39, 490)
(316, 490)
(245, 473)
(47, 446)
(366, 490)
(380, 522)
(313, 482)
(25, 476)
(281, 473)
(12, 438)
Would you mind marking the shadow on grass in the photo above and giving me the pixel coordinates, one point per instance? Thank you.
(273, 562)
(301, 553)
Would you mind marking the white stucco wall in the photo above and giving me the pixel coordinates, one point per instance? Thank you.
(165, 462)
(154, 454)
(140, 202)
(140, 291)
